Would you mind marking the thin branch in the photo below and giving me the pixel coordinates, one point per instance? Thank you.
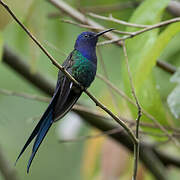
(97, 102)
(76, 15)
(117, 119)
(6, 170)
(164, 23)
(117, 90)
(136, 146)
(92, 27)
(166, 66)
(112, 19)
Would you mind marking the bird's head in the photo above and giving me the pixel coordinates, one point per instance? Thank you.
(88, 39)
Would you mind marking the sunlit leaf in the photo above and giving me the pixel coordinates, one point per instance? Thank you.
(151, 56)
(149, 12)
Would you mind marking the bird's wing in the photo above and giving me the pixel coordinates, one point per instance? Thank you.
(68, 94)
(61, 94)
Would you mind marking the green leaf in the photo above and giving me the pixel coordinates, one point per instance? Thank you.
(174, 98)
(149, 12)
(149, 60)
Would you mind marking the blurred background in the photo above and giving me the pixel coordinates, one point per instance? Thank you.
(158, 90)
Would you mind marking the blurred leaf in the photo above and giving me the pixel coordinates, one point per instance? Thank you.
(150, 58)
(174, 98)
(149, 12)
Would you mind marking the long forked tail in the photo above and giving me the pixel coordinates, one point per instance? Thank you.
(39, 132)
(40, 136)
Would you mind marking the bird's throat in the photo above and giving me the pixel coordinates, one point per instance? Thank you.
(89, 53)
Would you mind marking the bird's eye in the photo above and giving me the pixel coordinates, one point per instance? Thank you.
(86, 35)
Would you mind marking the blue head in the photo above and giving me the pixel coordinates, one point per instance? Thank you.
(86, 44)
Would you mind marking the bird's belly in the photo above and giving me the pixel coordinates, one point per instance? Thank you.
(84, 72)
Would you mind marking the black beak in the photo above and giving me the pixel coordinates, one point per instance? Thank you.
(102, 32)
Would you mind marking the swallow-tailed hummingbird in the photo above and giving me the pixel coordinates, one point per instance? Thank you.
(81, 64)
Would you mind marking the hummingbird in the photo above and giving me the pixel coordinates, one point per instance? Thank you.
(82, 65)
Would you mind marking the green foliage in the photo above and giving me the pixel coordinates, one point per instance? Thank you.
(137, 49)
(149, 61)
(139, 46)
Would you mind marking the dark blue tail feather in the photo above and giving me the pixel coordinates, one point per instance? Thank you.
(63, 100)
(46, 124)
(47, 117)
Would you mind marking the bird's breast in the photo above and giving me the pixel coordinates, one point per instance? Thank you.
(84, 71)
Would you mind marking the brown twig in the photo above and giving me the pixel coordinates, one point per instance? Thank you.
(136, 146)
(174, 20)
(97, 102)
(166, 66)
(76, 15)
(112, 19)
(93, 28)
